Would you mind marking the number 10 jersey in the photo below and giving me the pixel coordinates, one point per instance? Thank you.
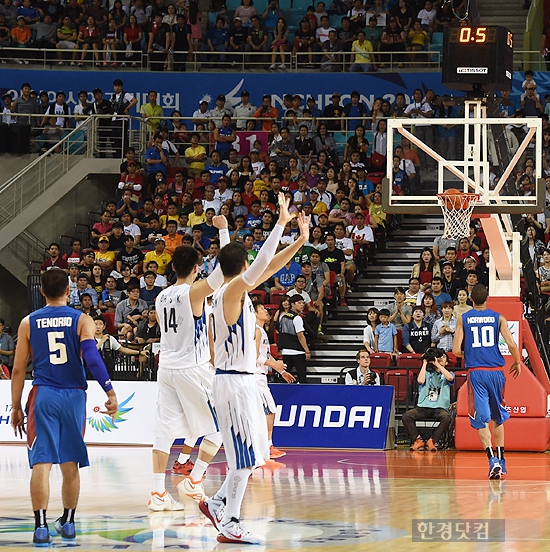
(183, 337)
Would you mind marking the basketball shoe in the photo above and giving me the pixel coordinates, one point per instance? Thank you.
(183, 469)
(42, 537)
(503, 467)
(192, 489)
(417, 445)
(164, 502)
(276, 453)
(233, 531)
(495, 468)
(66, 531)
(214, 510)
(430, 445)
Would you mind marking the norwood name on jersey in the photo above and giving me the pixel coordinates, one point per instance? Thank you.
(481, 319)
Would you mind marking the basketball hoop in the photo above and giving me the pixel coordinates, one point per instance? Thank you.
(457, 209)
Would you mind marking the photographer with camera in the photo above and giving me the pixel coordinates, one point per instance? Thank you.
(434, 399)
(364, 375)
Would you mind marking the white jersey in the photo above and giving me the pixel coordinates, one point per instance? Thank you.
(183, 337)
(235, 345)
(262, 369)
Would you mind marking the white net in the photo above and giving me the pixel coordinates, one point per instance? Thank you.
(457, 209)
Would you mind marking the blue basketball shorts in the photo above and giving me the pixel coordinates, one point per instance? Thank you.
(486, 397)
(56, 420)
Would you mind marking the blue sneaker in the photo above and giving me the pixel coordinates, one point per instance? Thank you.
(503, 467)
(67, 531)
(42, 537)
(495, 468)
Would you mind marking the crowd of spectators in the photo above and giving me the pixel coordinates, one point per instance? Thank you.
(115, 33)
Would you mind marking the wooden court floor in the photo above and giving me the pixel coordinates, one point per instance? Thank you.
(333, 501)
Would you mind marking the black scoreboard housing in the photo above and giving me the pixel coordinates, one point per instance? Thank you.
(477, 57)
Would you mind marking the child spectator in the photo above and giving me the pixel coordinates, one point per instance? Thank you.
(385, 335)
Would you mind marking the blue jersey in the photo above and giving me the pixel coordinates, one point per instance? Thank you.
(55, 345)
(481, 337)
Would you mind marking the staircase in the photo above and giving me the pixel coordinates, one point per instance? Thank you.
(509, 14)
(393, 268)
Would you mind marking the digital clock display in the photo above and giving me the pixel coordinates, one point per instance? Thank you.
(477, 35)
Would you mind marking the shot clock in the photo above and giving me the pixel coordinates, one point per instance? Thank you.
(477, 57)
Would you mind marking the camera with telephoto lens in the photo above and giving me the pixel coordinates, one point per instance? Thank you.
(430, 354)
(371, 378)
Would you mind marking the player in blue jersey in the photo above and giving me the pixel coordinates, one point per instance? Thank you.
(57, 337)
(480, 329)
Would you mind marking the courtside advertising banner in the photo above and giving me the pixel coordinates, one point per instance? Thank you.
(133, 423)
(332, 416)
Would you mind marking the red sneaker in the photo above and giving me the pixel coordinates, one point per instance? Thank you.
(275, 453)
(183, 469)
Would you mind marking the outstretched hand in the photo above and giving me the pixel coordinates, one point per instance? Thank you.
(284, 215)
(303, 224)
(219, 221)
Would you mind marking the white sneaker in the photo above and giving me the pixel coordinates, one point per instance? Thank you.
(282, 67)
(213, 510)
(272, 66)
(192, 489)
(164, 502)
(234, 531)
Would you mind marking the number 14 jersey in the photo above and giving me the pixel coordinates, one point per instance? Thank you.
(183, 337)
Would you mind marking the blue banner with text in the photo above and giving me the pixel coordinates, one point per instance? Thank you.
(184, 91)
(332, 416)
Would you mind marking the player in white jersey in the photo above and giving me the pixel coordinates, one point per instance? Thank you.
(184, 405)
(264, 361)
(236, 395)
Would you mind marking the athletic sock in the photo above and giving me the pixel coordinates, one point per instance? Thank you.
(500, 453)
(221, 495)
(489, 452)
(40, 519)
(270, 442)
(68, 516)
(237, 481)
(182, 458)
(158, 483)
(198, 470)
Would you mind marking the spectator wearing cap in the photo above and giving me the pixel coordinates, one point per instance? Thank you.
(105, 258)
(221, 109)
(451, 284)
(217, 40)
(238, 38)
(159, 256)
(88, 261)
(303, 42)
(198, 215)
(83, 286)
(333, 114)
(202, 115)
(317, 206)
(257, 41)
(244, 111)
(7, 110)
(223, 194)
(55, 260)
(224, 136)
(21, 36)
(469, 265)
(267, 113)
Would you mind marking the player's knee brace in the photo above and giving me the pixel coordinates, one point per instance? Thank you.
(162, 444)
(211, 443)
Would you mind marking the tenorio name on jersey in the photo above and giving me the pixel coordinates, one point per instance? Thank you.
(55, 322)
(333, 416)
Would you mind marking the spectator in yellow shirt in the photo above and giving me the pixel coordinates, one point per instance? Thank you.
(172, 214)
(416, 39)
(195, 156)
(152, 112)
(198, 216)
(105, 258)
(361, 49)
(159, 256)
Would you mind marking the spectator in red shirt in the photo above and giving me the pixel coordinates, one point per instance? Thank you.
(55, 259)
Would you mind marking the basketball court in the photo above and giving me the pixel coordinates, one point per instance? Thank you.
(313, 500)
